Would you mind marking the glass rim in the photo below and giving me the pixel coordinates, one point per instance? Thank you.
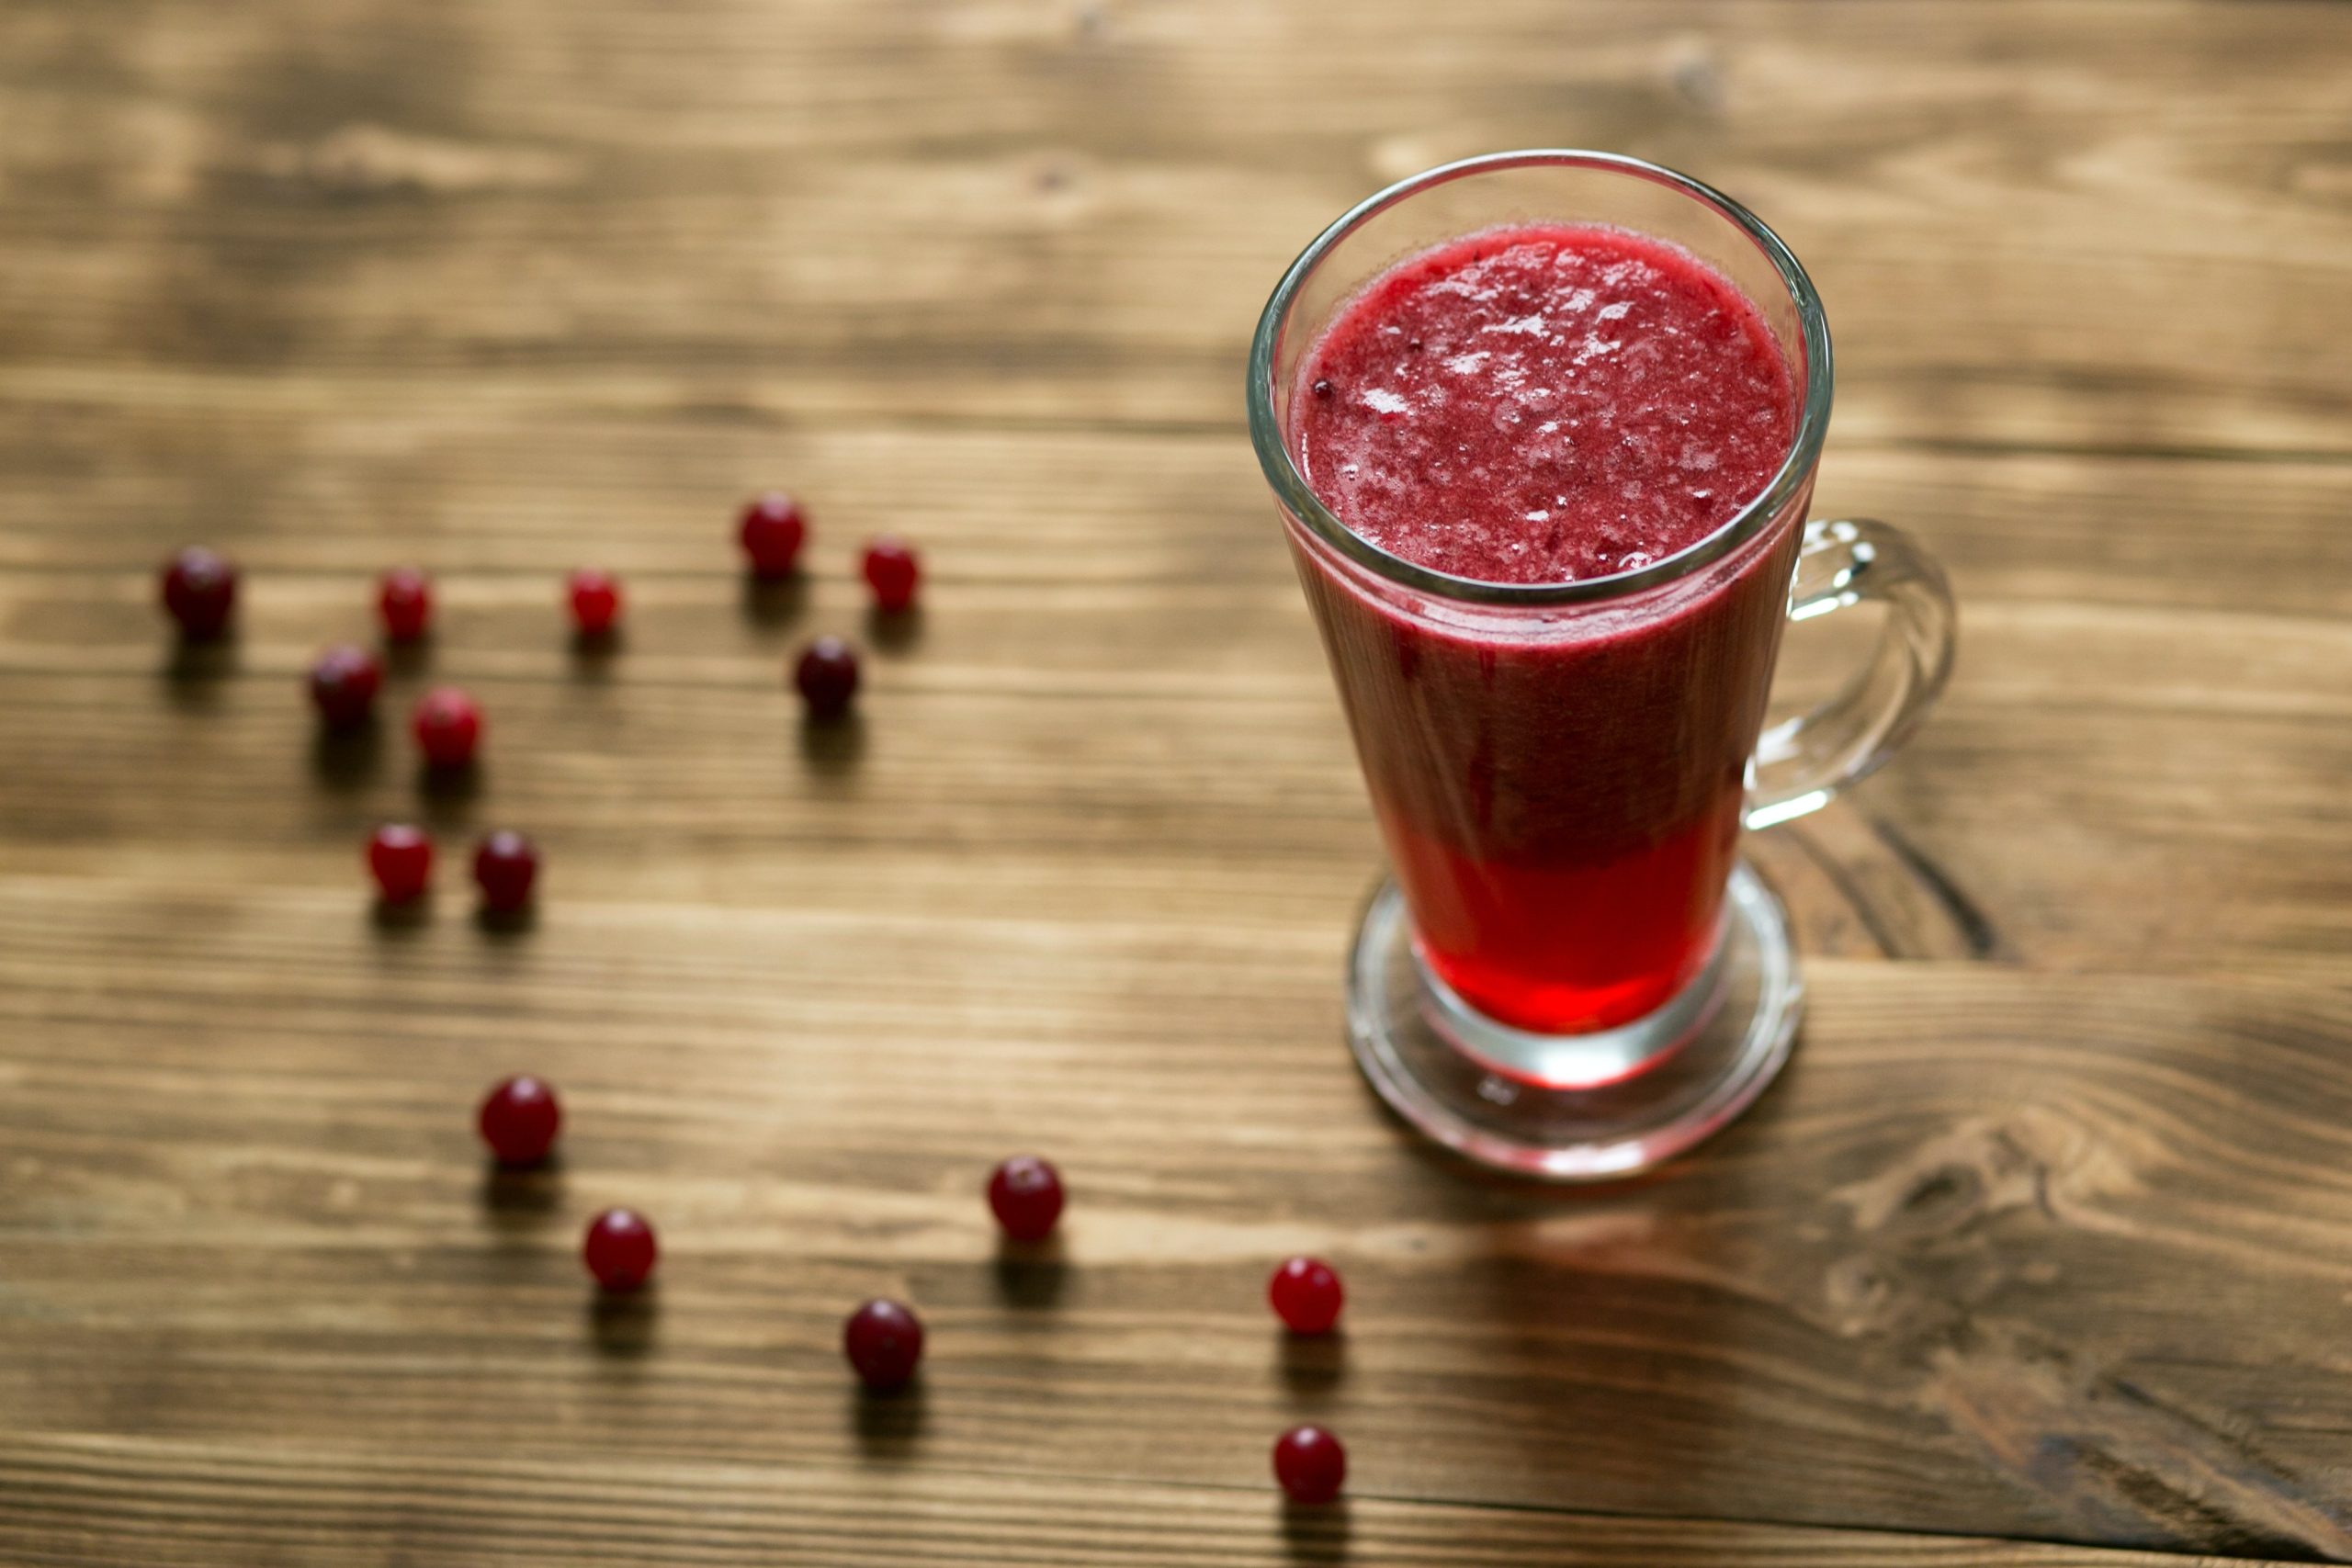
(1298, 498)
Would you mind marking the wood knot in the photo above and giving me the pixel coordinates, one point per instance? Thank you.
(1698, 81)
(1954, 1183)
(1952, 1188)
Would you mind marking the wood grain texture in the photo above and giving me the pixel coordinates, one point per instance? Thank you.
(2045, 1238)
(183, 1503)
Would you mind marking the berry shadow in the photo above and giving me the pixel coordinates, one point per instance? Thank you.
(622, 1323)
(1313, 1364)
(346, 758)
(413, 657)
(1031, 1274)
(505, 925)
(832, 745)
(894, 631)
(521, 1197)
(1316, 1532)
(593, 654)
(197, 668)
(448, 791)
(402, 920)
(888, 1424)
(774, 603)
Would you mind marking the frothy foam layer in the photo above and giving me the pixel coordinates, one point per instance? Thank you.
(1543, 404)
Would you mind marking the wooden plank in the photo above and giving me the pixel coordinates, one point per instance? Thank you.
(2009, 1252)
(528, 489)
(997, 211)
(2092, 762)
(80, 1501)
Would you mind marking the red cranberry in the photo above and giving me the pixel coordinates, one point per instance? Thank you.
(200, 589)
(406, 600)
(505, 865)
(883, 1340)
(596, 601)
(772, 534)
(343, 683)
(827, 676)
(519, 1120)
(401, 859)
(1310, 1463)
(448, 727)
(1305, 1295)
(620, 1250)
(891, 571)
(1026, 1194)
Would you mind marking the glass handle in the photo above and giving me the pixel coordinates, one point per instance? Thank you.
(1803, 761)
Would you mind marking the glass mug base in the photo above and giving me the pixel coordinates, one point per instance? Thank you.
(1576, 1108)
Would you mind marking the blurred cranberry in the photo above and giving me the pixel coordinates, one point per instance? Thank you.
(772, 533)
(405, 600)
(200, 591)
(1311, 1465)
(620, 1250)
(891, 571)
(827, 676)
(343, 685)
(596, 601)
(505, 865)
(448, 727)
(883, 1339)
(1026, 1193)
(1305, 1294)
(400, 857)
(519, 1120)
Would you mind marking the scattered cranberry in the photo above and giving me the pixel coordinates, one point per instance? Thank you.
(519, 1120)
(405, 600)
(883, 1340)
(596, 601)
(827, 676)
(1310, 1464)
(343, 683)
(400, 857)
(1026, 1194)
(200, 589)
(505, 865)
(1305, 1295)
(620, 1250)
(891, 571)
(772, 535)
(448, 727)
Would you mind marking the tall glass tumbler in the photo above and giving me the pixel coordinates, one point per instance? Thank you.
(1572, 974)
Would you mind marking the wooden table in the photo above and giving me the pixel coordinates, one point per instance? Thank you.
(2041, 1252)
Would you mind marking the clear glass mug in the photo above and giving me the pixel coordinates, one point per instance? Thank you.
(1571, 974)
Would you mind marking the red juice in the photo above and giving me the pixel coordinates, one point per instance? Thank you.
(1561, 796)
